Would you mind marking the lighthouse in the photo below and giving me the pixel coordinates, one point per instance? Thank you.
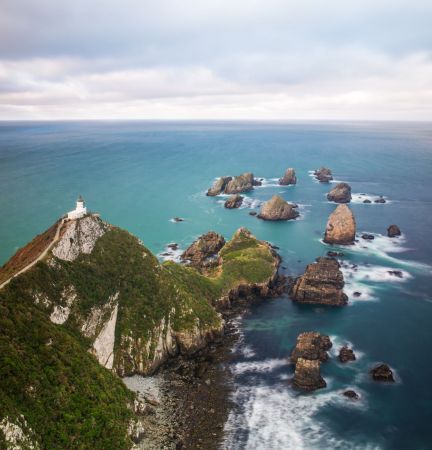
(79, 211)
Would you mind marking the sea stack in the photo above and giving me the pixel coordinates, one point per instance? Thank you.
(278, 209)
(341, 226)
(323, 175)
(288, 178)
(393, 231)
(311, 345)
(341, 193)
(218, 186)
(235, 201)
(310, 350)
(307, 375)
(321, 284)
(241, 183)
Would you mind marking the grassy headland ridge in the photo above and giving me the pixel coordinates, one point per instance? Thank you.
(98, 305)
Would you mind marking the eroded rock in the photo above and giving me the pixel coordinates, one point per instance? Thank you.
(235, 201)
(341, 226)
(240, 183)
(351, 394)
(288, 178)
(218, 186)
(322, 284)
(203, 252)
(346, 354)
(307, 375)
(393, 231)
(341, 193)
(382, 372)
(277, 209)
(380, 200)
(323, 175)
(311, 345)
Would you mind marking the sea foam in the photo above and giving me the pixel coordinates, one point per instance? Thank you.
(278, 417)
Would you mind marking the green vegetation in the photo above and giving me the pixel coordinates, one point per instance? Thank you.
(46, 371)
(66, 397)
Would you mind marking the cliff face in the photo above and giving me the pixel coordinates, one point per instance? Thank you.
(100, 300)
(79, 237)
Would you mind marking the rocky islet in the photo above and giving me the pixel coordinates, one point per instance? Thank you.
(277, 209)
(341, 193)
(310, 350)
(288, 178)
(341, 226)
(321, 284)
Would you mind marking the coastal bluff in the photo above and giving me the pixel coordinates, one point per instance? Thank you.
(100, 305)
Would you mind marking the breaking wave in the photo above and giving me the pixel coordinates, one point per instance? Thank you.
(360, 198)
(279, 418)
(170, 254)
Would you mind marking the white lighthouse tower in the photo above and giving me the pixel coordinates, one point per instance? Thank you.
(79, 211)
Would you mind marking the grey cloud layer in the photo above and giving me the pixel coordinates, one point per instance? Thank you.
(254, 59)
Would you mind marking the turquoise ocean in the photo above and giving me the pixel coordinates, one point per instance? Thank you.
(140, 175)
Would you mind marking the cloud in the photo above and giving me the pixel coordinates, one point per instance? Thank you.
(273, 59)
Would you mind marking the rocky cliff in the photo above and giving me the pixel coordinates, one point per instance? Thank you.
(101, 304)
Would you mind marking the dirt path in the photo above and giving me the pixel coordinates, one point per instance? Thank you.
(41, 256)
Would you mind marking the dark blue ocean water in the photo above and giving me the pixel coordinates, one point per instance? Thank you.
(139, 175)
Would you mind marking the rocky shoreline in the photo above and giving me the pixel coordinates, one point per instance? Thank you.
(193, 395)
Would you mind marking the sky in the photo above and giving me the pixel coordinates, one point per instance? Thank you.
(216, 59)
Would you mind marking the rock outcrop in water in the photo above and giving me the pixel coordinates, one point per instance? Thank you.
(381, 199)
(352, 395)
(310, 350)
(307, 375)
(278, 209)
(323, 175)
(341, 226)
(393, 231)
(346, 354)
(240, 183)
(235, 201)
(382, 372)
(218, 186)
(234, 185)
(203, 252)
(341, 193)
(311, 345)
(288, 178)
(321, 284)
